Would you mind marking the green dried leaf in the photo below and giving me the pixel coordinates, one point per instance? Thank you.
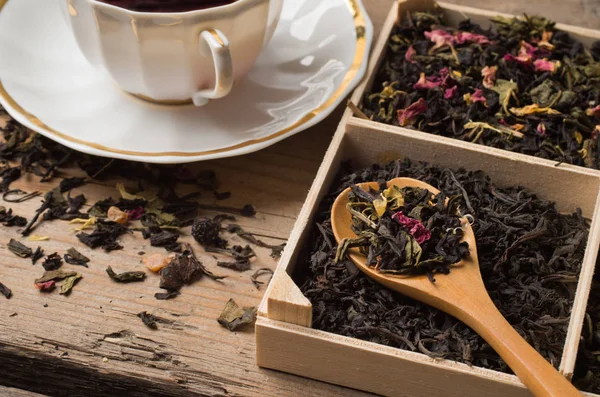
(19, 249)
(69, 283)
(54, 275)
(126, 277)
(506, 90)
(234, 316)
(545, 94)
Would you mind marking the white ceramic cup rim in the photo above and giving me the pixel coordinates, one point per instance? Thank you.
(142, 14)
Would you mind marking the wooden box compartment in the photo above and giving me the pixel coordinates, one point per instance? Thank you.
(285, 339)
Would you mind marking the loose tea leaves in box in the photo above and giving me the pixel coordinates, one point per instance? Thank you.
(530, 257)
(521, 85)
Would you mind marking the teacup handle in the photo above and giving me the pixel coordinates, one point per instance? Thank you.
(219, 46)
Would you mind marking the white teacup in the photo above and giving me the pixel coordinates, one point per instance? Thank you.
(174, 58)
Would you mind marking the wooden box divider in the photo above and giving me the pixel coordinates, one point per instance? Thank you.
(285, 339)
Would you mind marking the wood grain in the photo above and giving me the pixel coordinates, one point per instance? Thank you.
(92, 344)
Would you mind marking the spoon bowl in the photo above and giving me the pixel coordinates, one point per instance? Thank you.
(462, 294)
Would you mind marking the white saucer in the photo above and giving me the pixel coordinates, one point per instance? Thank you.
(317, 56)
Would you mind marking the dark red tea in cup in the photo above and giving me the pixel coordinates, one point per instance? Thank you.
(167, 5)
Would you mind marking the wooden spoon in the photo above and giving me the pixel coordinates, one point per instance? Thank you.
(461, 294)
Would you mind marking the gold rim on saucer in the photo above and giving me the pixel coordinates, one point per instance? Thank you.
(361, 48)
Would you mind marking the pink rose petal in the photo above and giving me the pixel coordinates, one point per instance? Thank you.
(544, 65)
(135, 214)
(595, 112)
(414, 227)
(440, 38)
(427, 83)
(451, 92)
(477, 96)
(541, 129)
(46, 287)
(489, 76)
(410, 54)
(409, 115)
(464, 37)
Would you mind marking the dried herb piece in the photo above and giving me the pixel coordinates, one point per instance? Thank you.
(126, 277)
(4, 290)
(74, 257)
(206, 232)
(8, 219)
(184, 269)
(35, 237)
(69, 283)
(37, 254)
(165, 239)
(222, 196)
(53, 206)
(166, 295)
(19, 249)
(54, 275)
(71, 183)
(261, 272)
(75, 204)
(234, 316)
(276, 250)
(149, 320)
(241, 265)
(52, 262)
(105, 235)
(9, 175)
(24, 196)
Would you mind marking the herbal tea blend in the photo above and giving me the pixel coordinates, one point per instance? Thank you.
(406, 231)
(529, 254)
(521, 85)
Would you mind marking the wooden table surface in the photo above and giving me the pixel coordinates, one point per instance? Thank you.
(92, 344)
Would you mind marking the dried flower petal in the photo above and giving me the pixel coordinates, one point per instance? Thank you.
(475, 97)
(47, 286)
(425, 83)
(116, 215)
(410, 54)
(533, 109)
(409, 115)
(440, 38)
(464, 37)
(135, 214)
(593, 112)
(544, 65)
(451, 92)
(489, 76)
(414, 227)
(541, 129)
(156, 262)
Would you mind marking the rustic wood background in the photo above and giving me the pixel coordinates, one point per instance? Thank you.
(92, 344)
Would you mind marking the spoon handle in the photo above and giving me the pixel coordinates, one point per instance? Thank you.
(542, 379)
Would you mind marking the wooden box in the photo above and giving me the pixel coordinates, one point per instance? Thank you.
(285, 339)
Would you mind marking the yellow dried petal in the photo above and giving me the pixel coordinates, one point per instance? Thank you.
(156, 262)
(87, 223)
(394, 197)
(380, 205)
(533, 109)
(116, 215)
(457, 73)
(578, 137)
(35, 237)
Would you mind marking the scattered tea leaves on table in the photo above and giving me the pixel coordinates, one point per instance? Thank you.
(234, 317)
(4, 290)
(37, 254)
(222, 196)
(165, 239)
(261, 272)
(126, 277)
(75, 204)
(276, 249)
(206, 232)
(105, 235)
(166, 295)
(19, 249)
(184, 269)
(8, 219)
(148, 319)
(52, 262)
(69, 283)
(240, 265)
(55, 275)
(74, 257)
(71, 183)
